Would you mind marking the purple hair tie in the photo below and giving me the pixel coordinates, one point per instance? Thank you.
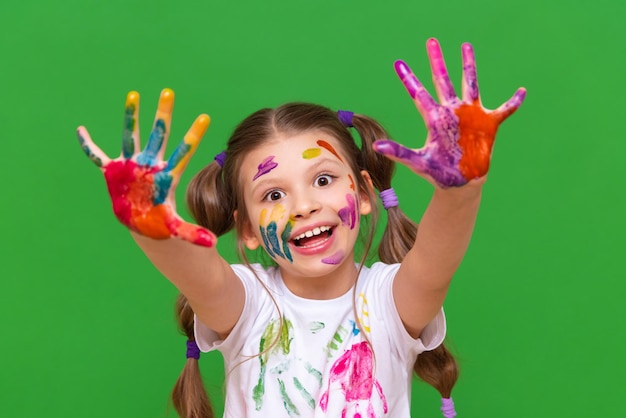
(447, 407)
(220, 158)
(345, 117)
(193, 351)
(389, 198)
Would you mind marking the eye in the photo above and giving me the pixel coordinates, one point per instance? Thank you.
(274, 195)
(324, 180)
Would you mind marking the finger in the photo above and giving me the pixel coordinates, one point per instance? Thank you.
(93, 152)
(160, 130)
(470, 80)
(423, 100)
(179, 159)
(441, 79)
(194, 234)
(400, 153)
(511, 105)
(130, 136)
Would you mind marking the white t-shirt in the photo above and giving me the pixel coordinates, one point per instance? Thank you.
(321, 364)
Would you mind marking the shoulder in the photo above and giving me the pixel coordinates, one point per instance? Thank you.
(255, 272)
(379, 271)
(376, 282)
(258, 280)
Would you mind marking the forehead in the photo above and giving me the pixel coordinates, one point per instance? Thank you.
(302, 146)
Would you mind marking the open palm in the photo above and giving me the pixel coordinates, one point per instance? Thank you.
(461, 132)
(142, 184)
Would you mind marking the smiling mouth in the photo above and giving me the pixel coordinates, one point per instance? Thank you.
(313, 237)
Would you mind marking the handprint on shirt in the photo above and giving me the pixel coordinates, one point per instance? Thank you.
(461, 132)
(353, 372)
(141, 184)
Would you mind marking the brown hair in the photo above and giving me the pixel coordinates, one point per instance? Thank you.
(215, 193)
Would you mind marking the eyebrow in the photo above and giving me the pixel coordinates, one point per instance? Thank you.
(268, 178)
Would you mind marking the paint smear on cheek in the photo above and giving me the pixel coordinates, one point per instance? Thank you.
(265, 167)
(329, 147)
(311, 153)
(351, 181)
(269, 233)
(336, 258)
(348, 214)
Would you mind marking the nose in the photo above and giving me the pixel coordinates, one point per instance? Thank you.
(306, 205)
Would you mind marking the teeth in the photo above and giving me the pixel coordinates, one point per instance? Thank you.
(314, 231)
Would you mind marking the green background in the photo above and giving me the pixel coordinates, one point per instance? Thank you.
(536, 312)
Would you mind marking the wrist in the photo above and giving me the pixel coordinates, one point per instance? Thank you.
(468, 192)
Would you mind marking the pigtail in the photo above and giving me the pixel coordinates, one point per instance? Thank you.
(209, 203)
(189, 396)
(437, 367)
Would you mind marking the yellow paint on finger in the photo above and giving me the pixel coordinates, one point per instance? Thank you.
(192, 138)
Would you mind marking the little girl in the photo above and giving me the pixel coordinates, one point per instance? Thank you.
(313, 333)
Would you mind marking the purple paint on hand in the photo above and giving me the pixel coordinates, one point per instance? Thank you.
(461, 132)
(265, 167)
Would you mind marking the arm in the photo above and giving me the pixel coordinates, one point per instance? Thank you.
(142, 189)
(455, 159)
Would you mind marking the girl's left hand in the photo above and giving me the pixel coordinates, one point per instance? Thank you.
(461, 132)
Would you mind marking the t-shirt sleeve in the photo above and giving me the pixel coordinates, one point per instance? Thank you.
(207, 339)
(381, 279)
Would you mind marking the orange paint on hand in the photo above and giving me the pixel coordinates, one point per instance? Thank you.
(477, 133)
(154, 222)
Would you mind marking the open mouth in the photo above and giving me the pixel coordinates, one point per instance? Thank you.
(313, 237)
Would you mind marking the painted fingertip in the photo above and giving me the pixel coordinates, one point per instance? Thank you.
(382, 146)
(432, 43)
(167, 96)
(203, 120)
(467, 48)
(132, 97)
(402, 69)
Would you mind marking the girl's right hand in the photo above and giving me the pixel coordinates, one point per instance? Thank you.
(142, 184)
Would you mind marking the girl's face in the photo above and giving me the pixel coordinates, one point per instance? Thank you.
(303, 203)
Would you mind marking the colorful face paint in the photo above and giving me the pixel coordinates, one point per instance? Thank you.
(269, 234)
(461, 132)
(348, 215)
(265, 167)
(336, 258)
(139, 184)
(351, 182)
(329, 147)
(311, 153)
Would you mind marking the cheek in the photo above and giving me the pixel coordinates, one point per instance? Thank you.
(349, 214)
(275, 245)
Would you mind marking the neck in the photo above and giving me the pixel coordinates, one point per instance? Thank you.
(328, 286)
